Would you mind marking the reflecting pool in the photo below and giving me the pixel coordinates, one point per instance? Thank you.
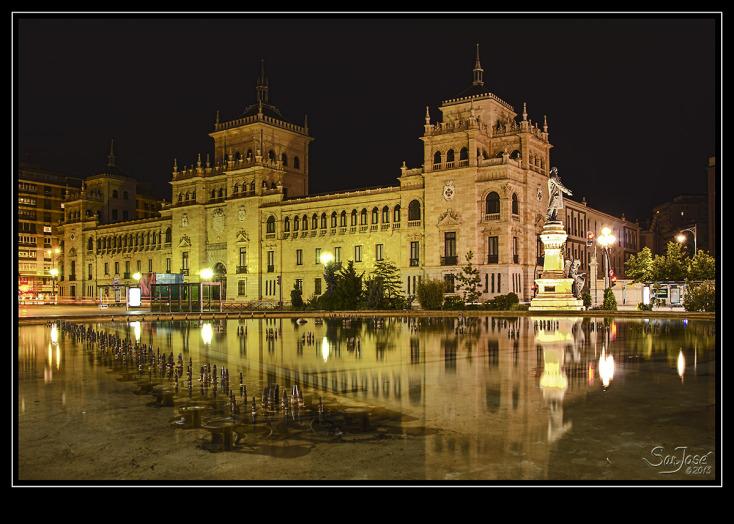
(476, 398)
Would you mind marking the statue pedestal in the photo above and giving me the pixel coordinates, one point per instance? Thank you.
(554, 288)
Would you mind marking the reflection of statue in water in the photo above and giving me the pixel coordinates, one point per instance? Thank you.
(578, 278)
(555, 195)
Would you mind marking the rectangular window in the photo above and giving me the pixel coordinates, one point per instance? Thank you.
(337, 255)
(114, 214)
(318, 255)
(168, 265)
(242, 288)
(414, 253)
(243, 257)
(271, 261)
(449, 282)
(106, 269)
(150, 265)
(449, 248)
(124, 214)
(358, 253)
(499, 283)
(117, 268)
(185, 260)
(89, 271)
(486, 282)
(299, 257)
(492, 282)
(378, 251)
(127, 267)
(139, 266)
(317, 286)
(493, 250)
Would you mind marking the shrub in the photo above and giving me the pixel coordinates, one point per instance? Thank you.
(643, 307)
(506, 302)
(453, 303)
(586, 297)
(700, 297)
(610, 303)
(430, 293)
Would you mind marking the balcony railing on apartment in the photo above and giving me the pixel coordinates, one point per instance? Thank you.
(413, 262)
(515, 259)
(449, 261)
(241, 270)
(493, 259)
(185, 271)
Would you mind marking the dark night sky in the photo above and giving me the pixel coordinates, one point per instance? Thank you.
(631, 104)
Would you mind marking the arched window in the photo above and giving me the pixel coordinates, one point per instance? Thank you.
(323, 220)
(314, 221)
(296, 223)
(515, 155)
(333, 219)
(221, 192)
(168, 235)
(284, 159)
(271, 155)
(396, 214)
(155, 236)
(385, 215)
(354, 218)
(99, 244)
(515, 206)
(287, 224)
(464, 154)
(343, 219)
(270, 225)
(363, 217)
(493, 203)
(114, 193)
(193, 196)
(414, 210)
(375, 215)
(188, 195)
(264, 184)
(249, 155)
(236, 188)
(180, 197)
(449, 156)
(214, 194)
(90, 244)
(296, 163)
(304, 220)
(437, 158)
(252, 186)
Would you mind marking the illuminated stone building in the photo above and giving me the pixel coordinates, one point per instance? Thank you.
(245, 210)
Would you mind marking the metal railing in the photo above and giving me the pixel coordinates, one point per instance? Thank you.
(241, 269)
(449, 261)
(493, 259)
(413, 262)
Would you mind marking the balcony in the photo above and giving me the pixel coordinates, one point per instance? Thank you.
(413, 262)
(184, 271)
(449, 261)
(126, 275)
(491, 216)
(385, 227)
(396, 225)
(72, 277)
(241, 270)
(493, 259)
(414, 223)
(269, 235)
(373, 227)
(342, 230)
(271, 269)
(515, 259)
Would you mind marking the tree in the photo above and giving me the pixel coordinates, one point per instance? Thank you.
(640, 267)
(700, 297)
(610, 303)
(701, 267)
(348, 287)
(430, 293)
(296, 297)
(384, 287)
(586, 297)
(375, 293)
(328, 299)
(672, 266)
(469, 281)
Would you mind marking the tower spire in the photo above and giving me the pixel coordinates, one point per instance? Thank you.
(111, 156)
(478, 71)
(262, 85)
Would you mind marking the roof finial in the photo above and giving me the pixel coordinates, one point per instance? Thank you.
(111, 156)
(217, 119)
(478, 71)
(207, 161)
(262, 85)
(545, 123)
(305, 122)
(428, 117)
(175, 166)
(198, 161)
(524, 111)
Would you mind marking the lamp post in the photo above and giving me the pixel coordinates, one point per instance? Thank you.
(54, 272)
(605, 240)
(680, 237)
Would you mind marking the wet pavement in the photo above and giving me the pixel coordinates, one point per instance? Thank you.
(447, 399)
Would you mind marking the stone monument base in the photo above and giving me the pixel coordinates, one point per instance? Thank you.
(554, 294)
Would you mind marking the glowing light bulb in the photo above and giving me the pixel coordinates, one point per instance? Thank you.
(606, 368)
(681, 365)
(325, 349)
(206, 333)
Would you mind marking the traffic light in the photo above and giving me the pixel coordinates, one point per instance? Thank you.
(589, 238)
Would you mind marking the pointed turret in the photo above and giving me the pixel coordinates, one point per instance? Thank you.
(478, 71)
(262, 85)
(111, 156)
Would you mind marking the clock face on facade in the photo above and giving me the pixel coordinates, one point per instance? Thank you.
(448, 190)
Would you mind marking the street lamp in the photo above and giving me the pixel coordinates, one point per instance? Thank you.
(326, 258)
(54, 272)
(205, 275)
(137, 276)
(605, 240)
(680, 237)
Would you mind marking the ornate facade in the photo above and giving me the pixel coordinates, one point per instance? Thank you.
(246, 211)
